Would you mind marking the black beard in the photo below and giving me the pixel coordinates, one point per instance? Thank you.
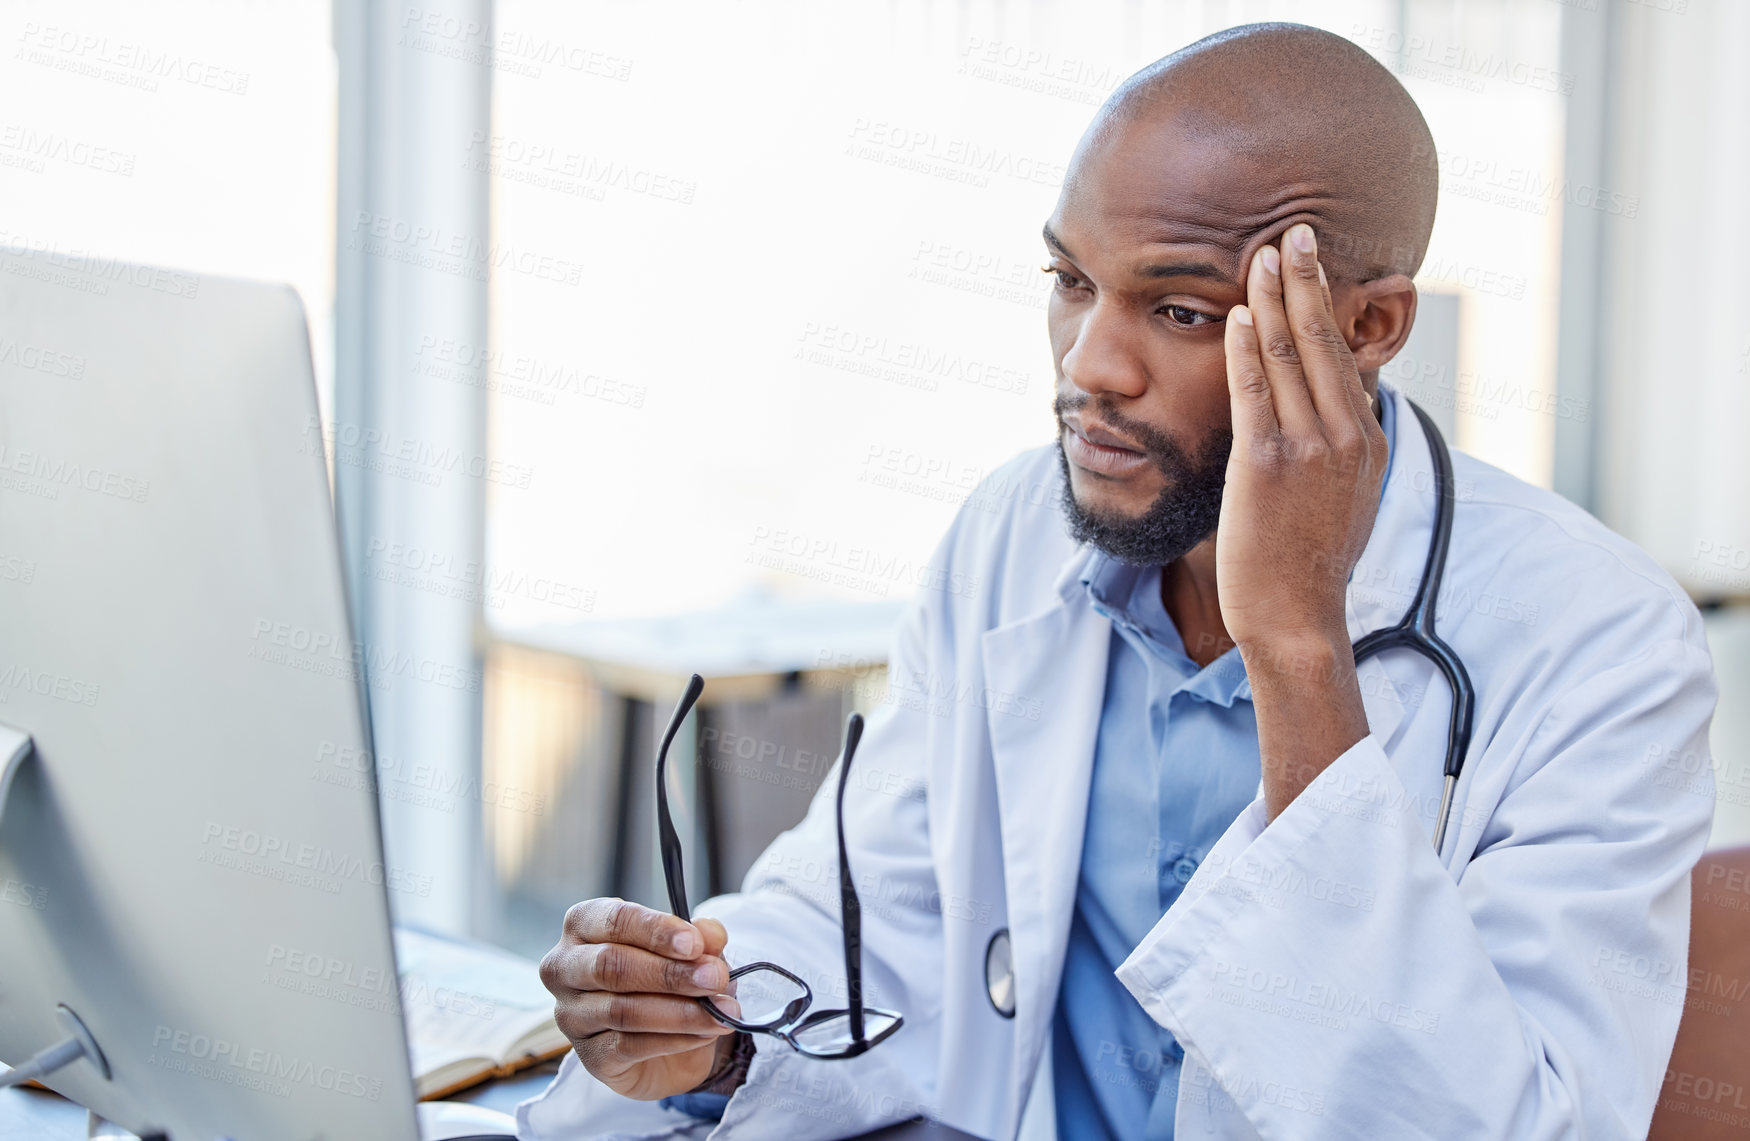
(1182, 516)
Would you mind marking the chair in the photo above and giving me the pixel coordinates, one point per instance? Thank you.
(1706, 1094)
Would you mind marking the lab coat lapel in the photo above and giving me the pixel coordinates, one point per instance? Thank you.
(1384, 581)
(1043, 770)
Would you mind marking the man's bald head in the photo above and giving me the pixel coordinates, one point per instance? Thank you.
(1192, 167)
(1300, 118)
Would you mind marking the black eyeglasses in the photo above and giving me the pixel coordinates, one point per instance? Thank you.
(773, 1000)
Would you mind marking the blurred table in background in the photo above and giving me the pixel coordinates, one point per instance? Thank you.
(574, 712)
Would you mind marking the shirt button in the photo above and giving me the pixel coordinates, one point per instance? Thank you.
(1184, 868)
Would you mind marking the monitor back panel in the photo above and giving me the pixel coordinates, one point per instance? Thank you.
(193, 861)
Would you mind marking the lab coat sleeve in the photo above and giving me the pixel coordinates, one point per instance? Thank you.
(788, 913)
(1328, 978)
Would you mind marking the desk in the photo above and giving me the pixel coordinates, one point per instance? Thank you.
(31, 1115)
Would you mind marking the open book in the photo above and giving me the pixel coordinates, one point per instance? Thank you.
(473, 1013)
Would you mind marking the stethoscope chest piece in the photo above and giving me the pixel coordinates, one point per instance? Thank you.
(999, 973)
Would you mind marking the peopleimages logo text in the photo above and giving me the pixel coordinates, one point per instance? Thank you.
(269, 851)
(268, 1064)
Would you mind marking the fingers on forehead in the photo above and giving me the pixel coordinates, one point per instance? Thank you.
(1300, 273)
(1307, 301)
(1259, 276)
(1274, 233)
(1249, 389)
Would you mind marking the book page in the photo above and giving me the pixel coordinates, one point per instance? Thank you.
(464, 1001)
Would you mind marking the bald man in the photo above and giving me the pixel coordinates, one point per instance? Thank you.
(1153, 855)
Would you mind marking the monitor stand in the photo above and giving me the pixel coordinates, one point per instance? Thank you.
(15, 746)
(97, 1129)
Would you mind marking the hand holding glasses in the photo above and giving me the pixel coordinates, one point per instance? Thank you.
(773, 1000)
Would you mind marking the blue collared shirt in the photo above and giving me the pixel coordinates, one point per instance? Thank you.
(1175, 763)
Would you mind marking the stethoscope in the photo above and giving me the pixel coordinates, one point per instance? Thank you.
(1415, 632)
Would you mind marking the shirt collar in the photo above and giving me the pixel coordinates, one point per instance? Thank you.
(1388, 423)
(1130, 597)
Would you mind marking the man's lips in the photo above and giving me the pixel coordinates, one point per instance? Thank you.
(1094, 434)
(1096, 450)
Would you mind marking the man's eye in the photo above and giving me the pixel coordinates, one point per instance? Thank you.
(1183, 315)
(1066, 281)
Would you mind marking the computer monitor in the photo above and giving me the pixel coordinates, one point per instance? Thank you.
(183, 863)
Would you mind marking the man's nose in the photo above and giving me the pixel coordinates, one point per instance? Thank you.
(1105, 356)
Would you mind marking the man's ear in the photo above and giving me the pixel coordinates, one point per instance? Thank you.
(1379, 315)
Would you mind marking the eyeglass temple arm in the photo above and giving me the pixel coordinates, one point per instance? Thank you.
(850, 907)
(670, 842)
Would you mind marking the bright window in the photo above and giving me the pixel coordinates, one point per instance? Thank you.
(806, 314)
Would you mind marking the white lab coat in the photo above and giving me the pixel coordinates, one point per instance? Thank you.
(1328, 975)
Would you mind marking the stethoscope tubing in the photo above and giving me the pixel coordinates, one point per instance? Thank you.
(1416, 630)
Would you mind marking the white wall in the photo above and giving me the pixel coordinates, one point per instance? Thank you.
(1675, 470)
(784, 216)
